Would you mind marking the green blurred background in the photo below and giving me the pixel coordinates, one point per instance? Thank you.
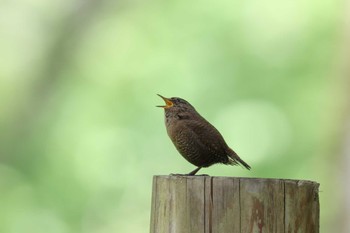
(80, 137)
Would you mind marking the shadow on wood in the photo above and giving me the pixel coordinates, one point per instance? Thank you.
(191, 204)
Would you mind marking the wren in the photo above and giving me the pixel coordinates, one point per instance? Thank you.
(199, 142)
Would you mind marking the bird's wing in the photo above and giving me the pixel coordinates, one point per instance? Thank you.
(209, 137)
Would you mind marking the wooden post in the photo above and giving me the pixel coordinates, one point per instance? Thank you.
(204, 204)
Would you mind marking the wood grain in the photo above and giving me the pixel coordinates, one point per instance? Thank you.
(203, 204)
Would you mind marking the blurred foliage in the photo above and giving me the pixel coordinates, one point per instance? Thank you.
(80, 137)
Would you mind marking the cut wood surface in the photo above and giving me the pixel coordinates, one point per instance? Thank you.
(205, 204)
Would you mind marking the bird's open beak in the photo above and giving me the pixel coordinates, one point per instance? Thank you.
(167, 101)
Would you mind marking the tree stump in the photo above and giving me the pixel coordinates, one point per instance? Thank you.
(204, 204)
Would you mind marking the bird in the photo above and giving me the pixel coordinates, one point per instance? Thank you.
(198, 141)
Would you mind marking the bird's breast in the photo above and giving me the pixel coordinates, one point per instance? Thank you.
(173, 127)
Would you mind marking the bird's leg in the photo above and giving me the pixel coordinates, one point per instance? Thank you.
(192, 173)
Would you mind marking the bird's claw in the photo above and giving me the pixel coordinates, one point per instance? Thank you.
(176, 174)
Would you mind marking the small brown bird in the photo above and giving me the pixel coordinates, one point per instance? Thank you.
(195, 138)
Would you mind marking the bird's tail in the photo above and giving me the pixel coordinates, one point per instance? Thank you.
(235, 159)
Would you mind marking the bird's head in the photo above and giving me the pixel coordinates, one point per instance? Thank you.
(175, 104)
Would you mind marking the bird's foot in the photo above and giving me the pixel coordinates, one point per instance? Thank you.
(192, 173)
(176, 174)
(172, 174)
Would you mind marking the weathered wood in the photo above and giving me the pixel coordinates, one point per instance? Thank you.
(203, 204)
